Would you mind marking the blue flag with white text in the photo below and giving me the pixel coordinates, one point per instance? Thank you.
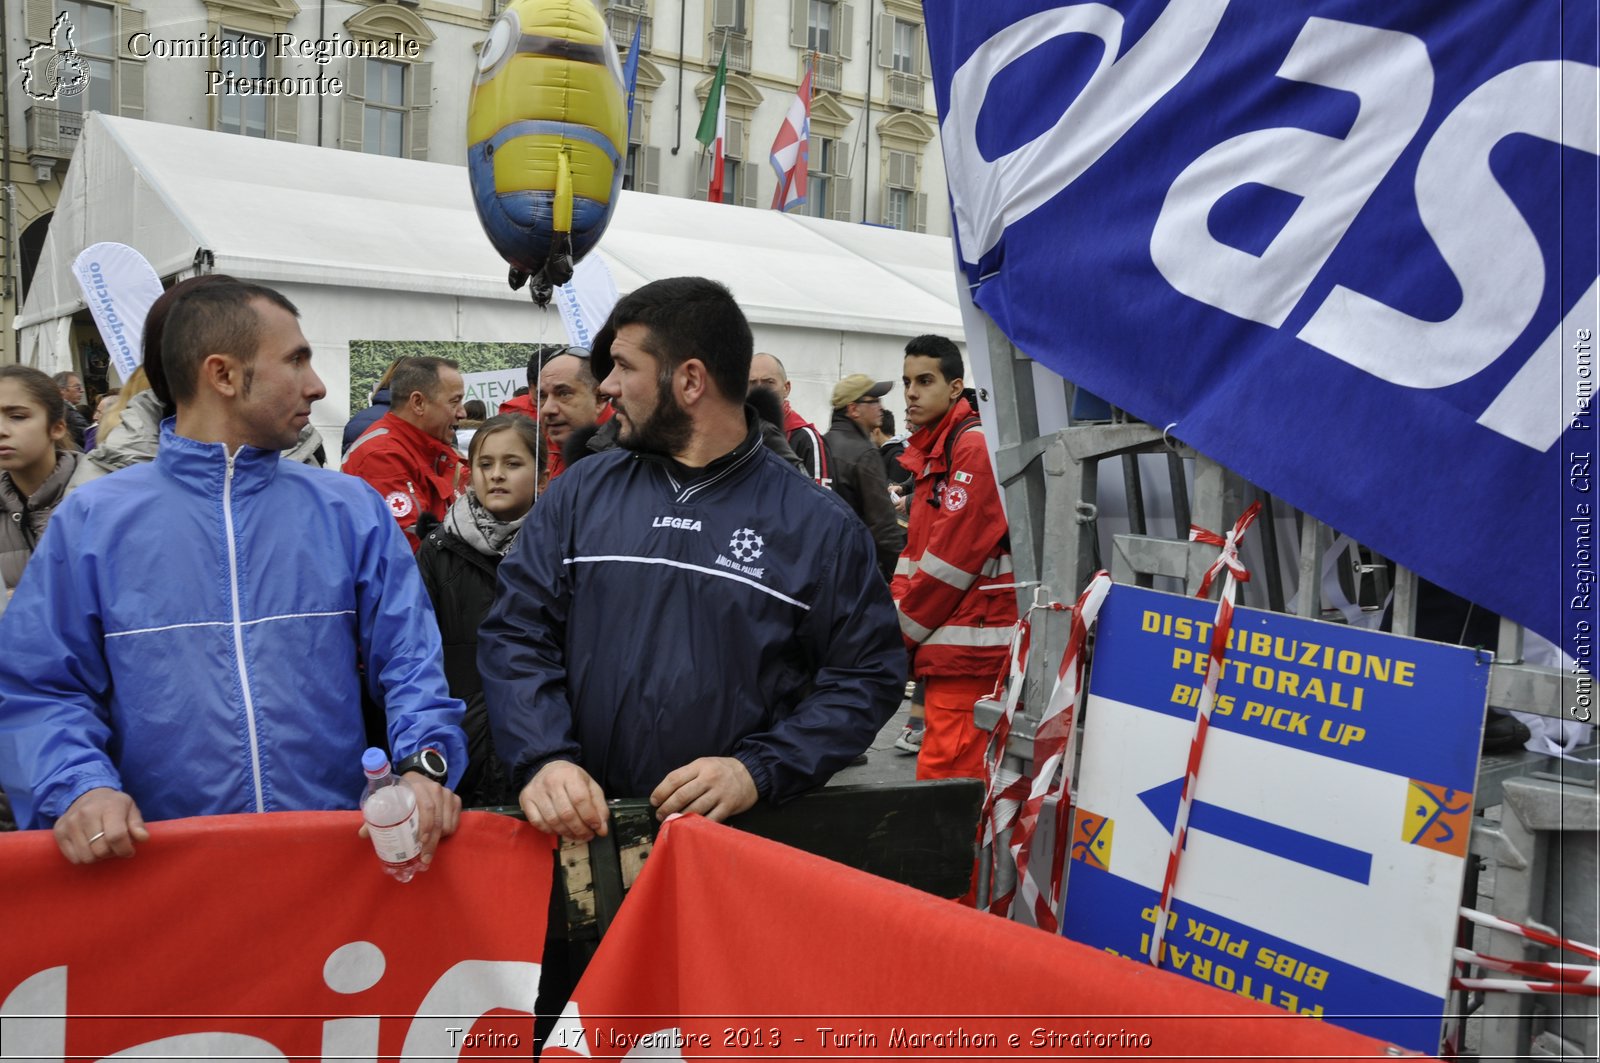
(1348, 246)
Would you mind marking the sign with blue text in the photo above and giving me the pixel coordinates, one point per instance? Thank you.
(1347, 248)
(1328, 834)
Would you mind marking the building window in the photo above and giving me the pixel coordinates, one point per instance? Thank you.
(903, 207)
(95, 43)
(907, 48)
(239, 113)
(819, 26)
(729, 15)
(822, 159)
(384, 121)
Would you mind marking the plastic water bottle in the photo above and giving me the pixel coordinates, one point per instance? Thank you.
(390, 809)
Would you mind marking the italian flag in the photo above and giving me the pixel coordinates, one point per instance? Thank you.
(713, 132)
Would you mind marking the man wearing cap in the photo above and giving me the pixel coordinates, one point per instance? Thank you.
(858, 474)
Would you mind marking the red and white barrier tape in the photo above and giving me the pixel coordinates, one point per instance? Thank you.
(1560, 972)
(1227, 560)
(1542, 937)
(1508, 985)
(1052, 746)
(1014, 800)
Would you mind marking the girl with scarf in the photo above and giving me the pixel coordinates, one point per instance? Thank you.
(458, 559)
(37, 459)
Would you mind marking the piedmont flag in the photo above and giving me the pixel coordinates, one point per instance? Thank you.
(713, 131)
(791, 152)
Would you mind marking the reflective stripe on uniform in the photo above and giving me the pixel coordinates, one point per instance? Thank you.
(369, 434)
(997, 566)
(911, 629)
(945, 572)
(968, 636)
(904, 566)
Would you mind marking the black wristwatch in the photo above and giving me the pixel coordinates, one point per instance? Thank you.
(429, 762)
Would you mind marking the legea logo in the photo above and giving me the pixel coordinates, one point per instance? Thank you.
(51, 71)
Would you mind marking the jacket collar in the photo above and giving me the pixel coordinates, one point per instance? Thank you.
(49, 492)
(841, 420)
(204, 466)
(435, 453)
(924, 453)
(793, 421)
(684, 478)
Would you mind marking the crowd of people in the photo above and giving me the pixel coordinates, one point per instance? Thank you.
(648, 578)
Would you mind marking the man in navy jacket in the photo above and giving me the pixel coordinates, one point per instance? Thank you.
(687, 617)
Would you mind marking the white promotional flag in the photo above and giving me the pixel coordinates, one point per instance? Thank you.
(119, 286)
(586, 300)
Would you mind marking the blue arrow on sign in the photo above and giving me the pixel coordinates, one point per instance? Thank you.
(1285, 842)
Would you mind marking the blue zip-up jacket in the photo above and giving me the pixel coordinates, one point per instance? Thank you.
(650, 615)
(188, 632)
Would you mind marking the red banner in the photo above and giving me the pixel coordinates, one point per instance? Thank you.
(273, 937)
(733, 946)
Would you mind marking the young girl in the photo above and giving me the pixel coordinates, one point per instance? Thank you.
(37, 458)
(458, 561)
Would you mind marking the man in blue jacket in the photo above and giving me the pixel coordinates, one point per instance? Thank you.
(185, 640)
(686, 618)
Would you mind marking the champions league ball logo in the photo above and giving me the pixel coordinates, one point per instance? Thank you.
(746, 545)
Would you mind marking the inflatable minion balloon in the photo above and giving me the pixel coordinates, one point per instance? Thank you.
(547, 130)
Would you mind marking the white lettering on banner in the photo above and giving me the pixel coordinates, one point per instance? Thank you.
(1482, 236)
(1333, 176)
(33, 1018)
(996, 194)
(1491, 251)
(1522, 411)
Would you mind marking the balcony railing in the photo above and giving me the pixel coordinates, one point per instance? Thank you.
(620, 20)
(52, 132)
(738, 49)
(905, 90)
(828, 75)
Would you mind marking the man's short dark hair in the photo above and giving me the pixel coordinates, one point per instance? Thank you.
(212, 319)
(688, 317)
(418, 373)
(949, 355)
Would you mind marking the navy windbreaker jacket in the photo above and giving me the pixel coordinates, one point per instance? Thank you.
(650, 615)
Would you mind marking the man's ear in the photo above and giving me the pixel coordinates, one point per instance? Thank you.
(220, 372)
(691, 381)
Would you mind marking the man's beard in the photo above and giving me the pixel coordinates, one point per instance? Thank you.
(666, 431)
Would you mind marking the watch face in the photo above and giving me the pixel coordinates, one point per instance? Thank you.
(432, 762)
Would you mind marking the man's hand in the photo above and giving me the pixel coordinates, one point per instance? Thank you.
(438, 811)
(102, 823)
(563, 799)
(715, 787)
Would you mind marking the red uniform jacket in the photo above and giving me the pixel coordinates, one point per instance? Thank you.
(414, 472)
(949, 617)
(527, 405)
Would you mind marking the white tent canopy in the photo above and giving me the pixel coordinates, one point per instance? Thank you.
(374, 248)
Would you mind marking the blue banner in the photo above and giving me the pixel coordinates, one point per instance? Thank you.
(1348, 249)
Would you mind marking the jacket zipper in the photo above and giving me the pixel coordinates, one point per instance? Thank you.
(238, 632)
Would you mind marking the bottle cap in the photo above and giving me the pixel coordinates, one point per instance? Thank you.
(375, 761)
